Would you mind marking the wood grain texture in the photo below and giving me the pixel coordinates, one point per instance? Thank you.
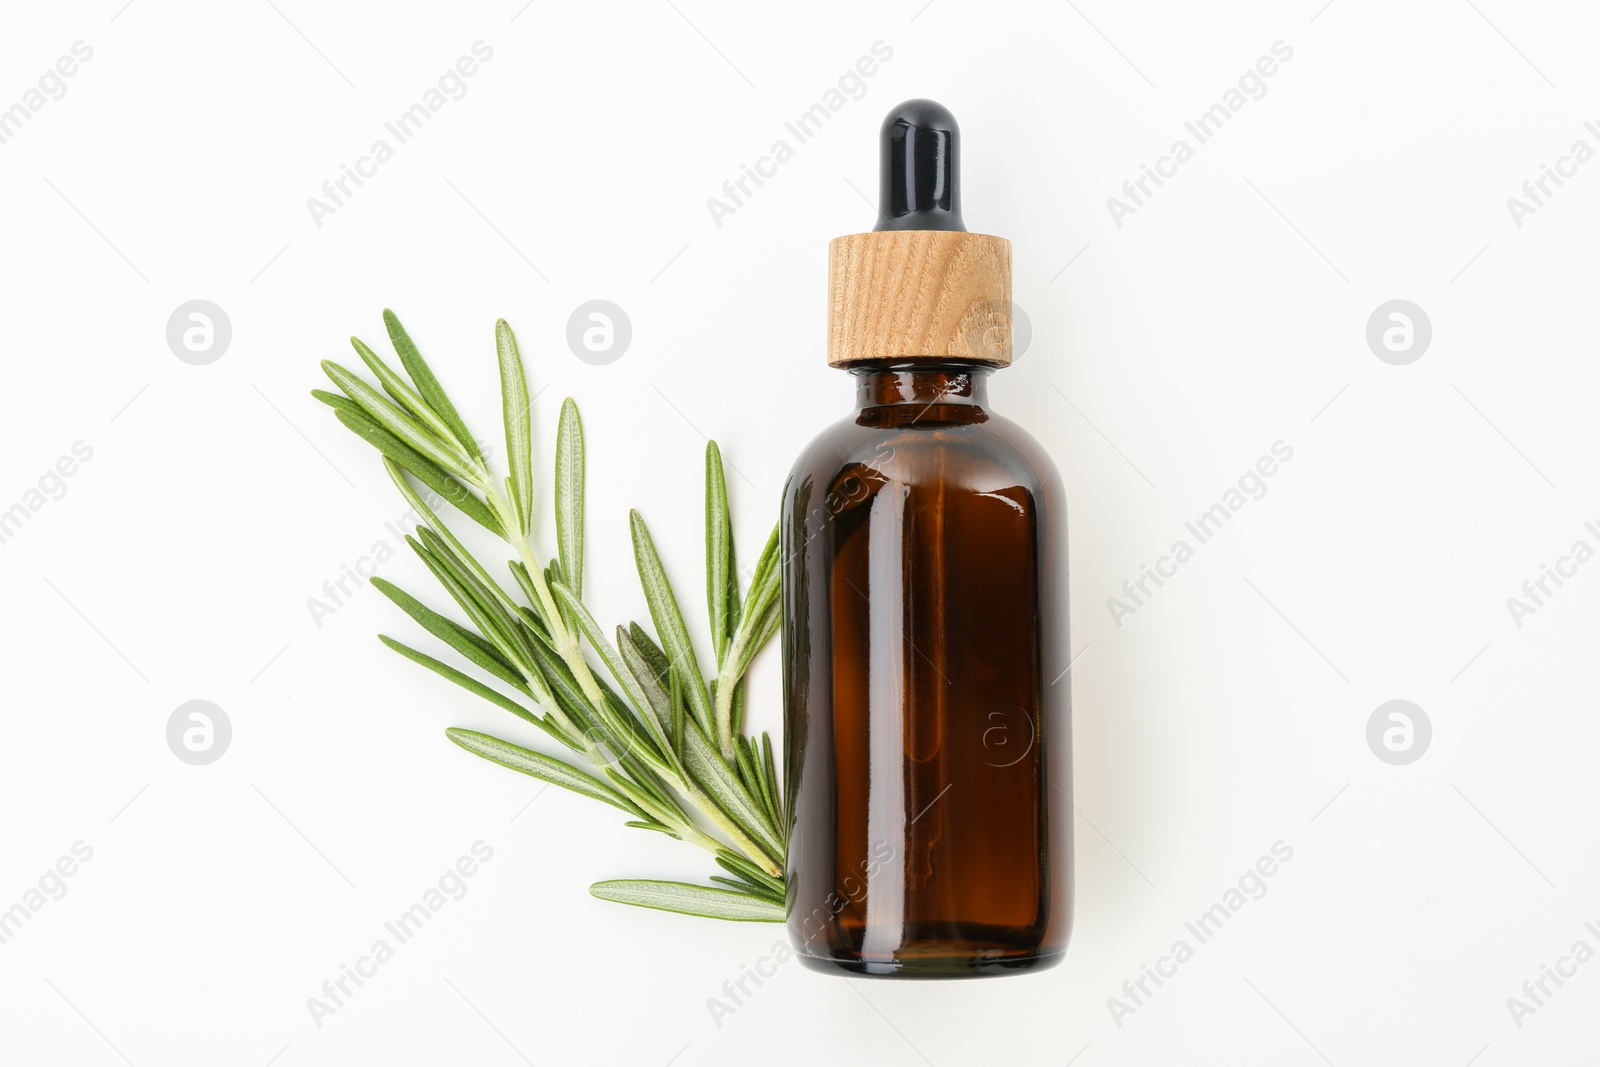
(919, 294)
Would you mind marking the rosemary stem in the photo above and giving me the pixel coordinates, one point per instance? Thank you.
(726, 684)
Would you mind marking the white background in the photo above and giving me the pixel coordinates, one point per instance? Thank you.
(1168, 353)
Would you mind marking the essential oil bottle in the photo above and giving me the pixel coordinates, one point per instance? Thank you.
(924, 546)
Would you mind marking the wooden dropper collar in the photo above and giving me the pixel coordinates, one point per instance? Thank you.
(919, 287)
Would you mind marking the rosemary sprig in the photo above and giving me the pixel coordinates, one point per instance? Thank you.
(660, 742)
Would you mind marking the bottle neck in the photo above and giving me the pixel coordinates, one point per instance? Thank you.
(885, 384)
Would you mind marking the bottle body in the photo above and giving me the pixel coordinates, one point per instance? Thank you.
(926, 697)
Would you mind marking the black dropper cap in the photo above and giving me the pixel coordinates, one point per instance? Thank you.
(919, 170)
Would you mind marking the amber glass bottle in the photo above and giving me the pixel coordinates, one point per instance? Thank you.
(925, 614)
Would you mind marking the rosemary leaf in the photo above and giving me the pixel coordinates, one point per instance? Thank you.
(743, 868)
(458, 637)
(509, 647)
(482, 596)
(720, 782)
(392, 448)
(765, 582)
(413, 433)
(719, 551)
(650, 650)
(690, 900)
(645, 679)
(569, 496)
(337, 401)
(661, 747)
(772, 783)
(519, 423)
(680, 714)
(538, 765)
(764, 589)
(431, 520)
(621, 742)
(742, 886)
(769, 626)
(428, 385)
(591, 630)
(654, 751)
(738, 707)
(755, 780)
(471, 685)
(669, 621)
(403, 394)
(521, 574)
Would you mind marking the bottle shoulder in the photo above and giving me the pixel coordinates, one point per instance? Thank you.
(985, 454)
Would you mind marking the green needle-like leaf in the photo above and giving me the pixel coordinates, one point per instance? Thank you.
(458, 637)
(337, 401)
(680, 714)
(408, 429)
(650, 650)
(427, 385)
(770, 620)
(431, 520)
(391, 447)
(689, 899)
(402, 393)
(755, 782)
(520, 572)
(645, 680)
(669, 621)
(489, 624)
(764, 583)
(655, 753)
(470, 684)
(467, 576)
(739, 885)
(537, 764)
(618, 668)
(724, 787)
(569, 496)
(772, 781)
(738, 706)
(730, 861)
(519, 422)
(719, 551)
